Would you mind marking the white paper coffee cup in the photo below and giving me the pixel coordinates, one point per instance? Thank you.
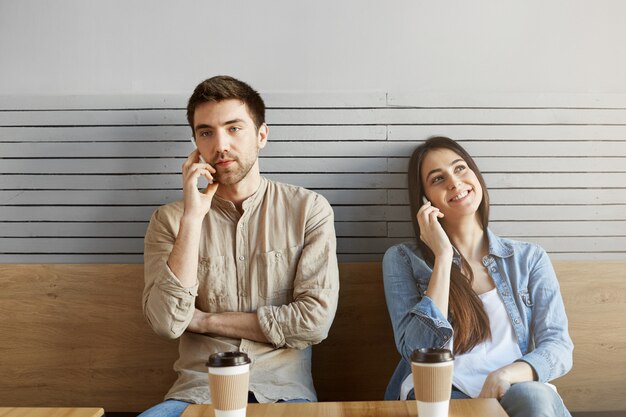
(432, 380)
(229, 376)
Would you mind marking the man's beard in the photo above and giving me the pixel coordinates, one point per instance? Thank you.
(235, 175)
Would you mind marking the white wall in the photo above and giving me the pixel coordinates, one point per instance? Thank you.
(93, 132)
(146, 46)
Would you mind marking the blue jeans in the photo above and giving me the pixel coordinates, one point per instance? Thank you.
(174, 408)
(533, 399)
(525, 399)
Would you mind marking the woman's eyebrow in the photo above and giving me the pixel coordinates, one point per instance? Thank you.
(439, 169)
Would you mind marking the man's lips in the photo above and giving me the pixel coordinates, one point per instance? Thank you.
(224, 163)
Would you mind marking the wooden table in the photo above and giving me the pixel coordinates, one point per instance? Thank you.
(458, 408)
(50, 412)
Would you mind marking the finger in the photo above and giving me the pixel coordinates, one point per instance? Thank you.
(205, 170)
(192, 158)
(193, 175)
(429, 213)
(211, 189)
(207, 174)
(433, 215)
(423, 207)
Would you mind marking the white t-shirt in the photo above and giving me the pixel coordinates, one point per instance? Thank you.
(471, 368)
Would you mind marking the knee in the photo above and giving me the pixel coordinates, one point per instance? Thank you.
(532, 399)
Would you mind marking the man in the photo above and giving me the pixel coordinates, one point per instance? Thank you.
(246, 264)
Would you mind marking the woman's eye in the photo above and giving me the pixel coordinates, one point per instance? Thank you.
(436, 179)
(460, 168)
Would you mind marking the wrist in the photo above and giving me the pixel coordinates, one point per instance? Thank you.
(444, 257)
(192, 220)
(502, 374)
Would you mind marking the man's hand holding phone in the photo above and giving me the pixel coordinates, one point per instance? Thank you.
(431, 232)
(197, 203)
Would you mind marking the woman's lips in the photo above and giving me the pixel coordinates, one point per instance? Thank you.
(464, 195)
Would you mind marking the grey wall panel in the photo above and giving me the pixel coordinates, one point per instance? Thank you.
(329, 116)
(538, 196)
(81, 175)
(527, 228)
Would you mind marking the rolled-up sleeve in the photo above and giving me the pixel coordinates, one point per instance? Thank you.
(307, 319)
(167, 306)
(417, 322)
(552, 356)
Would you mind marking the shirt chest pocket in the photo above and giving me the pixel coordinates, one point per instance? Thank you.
(212, 284)
(277, 271)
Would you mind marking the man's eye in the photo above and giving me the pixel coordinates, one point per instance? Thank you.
(205, 134)
(235, 129)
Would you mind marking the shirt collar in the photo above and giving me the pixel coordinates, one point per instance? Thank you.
(248, 203)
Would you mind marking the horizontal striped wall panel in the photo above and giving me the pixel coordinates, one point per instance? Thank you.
(296, 164)
(334, 149)
(310, 180)
(342, 213)
(81, 175)
(356, 245)
(316, 116)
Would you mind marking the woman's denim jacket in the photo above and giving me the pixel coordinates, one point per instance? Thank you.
(527, 284)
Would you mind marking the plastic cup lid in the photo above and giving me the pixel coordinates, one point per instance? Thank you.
(222, 359)
(431, 355)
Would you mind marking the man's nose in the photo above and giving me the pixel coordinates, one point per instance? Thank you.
(222, 142)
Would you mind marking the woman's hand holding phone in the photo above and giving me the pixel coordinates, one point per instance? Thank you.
(431, 232)
(197, 203)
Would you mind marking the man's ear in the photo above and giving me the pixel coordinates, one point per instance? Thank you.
(262, 135)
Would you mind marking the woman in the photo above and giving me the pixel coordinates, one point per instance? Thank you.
(494, 302)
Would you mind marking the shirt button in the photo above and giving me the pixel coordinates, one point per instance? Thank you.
(493, 269)
(277, 255)
(516, 321)
(241, 258)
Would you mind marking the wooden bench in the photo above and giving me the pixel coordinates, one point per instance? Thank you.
(74, 335)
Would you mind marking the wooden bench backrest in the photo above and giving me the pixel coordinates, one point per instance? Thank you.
(74, 335)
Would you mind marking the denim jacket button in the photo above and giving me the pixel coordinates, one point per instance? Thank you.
(516, 321)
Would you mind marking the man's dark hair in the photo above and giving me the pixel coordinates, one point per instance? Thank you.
(223, 87)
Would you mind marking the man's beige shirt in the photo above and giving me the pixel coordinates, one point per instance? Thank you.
(277, 259)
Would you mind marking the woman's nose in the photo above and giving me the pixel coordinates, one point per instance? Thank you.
(454, 182)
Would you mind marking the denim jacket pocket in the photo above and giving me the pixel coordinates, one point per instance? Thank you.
(527, 302)
(525, 296)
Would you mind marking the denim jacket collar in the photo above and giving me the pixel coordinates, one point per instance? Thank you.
(497, 247)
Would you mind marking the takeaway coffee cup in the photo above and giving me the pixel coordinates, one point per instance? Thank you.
(432, 379)
(229, 374)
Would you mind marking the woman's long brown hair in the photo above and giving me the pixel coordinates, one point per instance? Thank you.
(466, 313)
